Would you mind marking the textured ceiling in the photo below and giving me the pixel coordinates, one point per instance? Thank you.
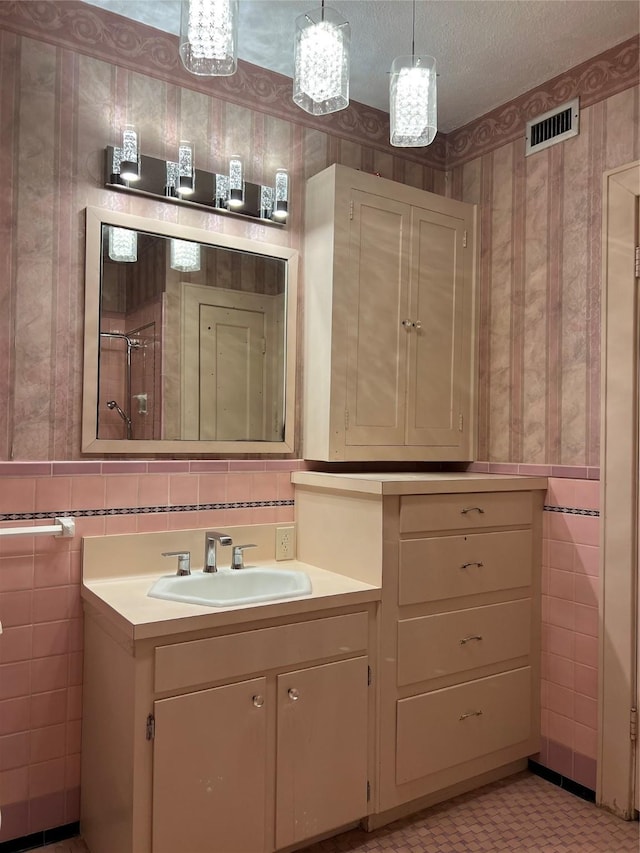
(487, 51)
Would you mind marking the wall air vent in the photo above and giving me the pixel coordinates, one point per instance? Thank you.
(555, 126)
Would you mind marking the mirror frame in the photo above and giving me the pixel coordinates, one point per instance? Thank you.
(97, 217)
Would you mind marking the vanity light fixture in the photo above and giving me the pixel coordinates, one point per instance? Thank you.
(179, 182)
(130, 154)
(209, 37)
(123, 245)
(281, 195)
(236, 183)
(413, 98)
(186, 170)
(185, 256)
(321, 61)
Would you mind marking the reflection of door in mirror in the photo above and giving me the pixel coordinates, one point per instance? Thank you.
(224, 348)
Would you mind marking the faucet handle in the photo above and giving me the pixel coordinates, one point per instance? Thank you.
(184, 561)
(237, 561)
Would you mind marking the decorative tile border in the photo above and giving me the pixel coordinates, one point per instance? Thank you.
(571, 510)
(138, 510)
(151, 466)
(572, 472)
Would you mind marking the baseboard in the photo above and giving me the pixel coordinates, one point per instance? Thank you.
(561, 781)
(40, 839)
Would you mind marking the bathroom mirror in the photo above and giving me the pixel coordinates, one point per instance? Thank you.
(190, 340)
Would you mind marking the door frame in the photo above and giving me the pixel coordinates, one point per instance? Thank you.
(617, 652)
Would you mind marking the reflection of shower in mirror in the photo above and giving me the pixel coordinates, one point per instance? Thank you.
(111, 404)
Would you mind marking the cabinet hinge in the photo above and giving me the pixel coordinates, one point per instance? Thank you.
(637, 261)
(368, 791)
(633, 725)
(351, 210)
(464, 240)
(460, 421)
(369, 676)
(346, 419)
(151, 727)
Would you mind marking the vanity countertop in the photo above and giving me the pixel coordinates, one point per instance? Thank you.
(124, 602)
(425, 483)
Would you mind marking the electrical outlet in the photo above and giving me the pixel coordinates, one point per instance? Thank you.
(285, 543)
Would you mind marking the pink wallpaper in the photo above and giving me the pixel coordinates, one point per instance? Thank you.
(540, 280)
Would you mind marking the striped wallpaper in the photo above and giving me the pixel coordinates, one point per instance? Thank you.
(72, 74)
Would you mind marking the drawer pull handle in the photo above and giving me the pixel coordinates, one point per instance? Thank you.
(470, 714)
(258, 701)
(469, 638)
(472, 509)
(293, 694)
(477, 563)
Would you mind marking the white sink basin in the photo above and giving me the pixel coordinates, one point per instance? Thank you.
(227, 587)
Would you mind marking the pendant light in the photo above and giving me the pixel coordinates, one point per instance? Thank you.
(321, 64)
(185, 256)
(209, 37)
(412, 98)
(123, 245)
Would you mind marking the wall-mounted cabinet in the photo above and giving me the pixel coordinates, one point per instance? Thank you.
(389, 321)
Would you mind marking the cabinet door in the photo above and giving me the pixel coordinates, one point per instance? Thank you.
(209, 771)
(439, 383)
(377, 280)
(321, 749)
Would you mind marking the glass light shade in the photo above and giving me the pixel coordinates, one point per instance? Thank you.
(185, 256)
(186, 171)
(123, 245)
(236, 183)
(130, 158)
(209, 37)
(266, 202)
(222, 190)
(170, 188)
(281, 199)
(413, 101)
(321, 64)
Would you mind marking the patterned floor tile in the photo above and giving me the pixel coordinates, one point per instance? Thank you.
(522, 814)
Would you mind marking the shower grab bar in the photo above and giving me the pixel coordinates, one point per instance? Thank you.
(64, 527)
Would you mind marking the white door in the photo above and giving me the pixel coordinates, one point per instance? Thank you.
(232, 374)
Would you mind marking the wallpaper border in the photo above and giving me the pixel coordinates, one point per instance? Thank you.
(104, 35)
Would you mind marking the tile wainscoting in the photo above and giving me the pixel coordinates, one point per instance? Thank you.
(40, 607)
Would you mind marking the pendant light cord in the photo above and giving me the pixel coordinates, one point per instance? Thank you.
(413, 29)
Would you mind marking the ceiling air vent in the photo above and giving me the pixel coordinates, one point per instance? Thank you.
(554, 126)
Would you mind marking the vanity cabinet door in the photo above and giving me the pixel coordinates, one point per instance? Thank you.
(209, 770)
(321, 749)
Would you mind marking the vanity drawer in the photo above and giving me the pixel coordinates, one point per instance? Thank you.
(236, 655)
(447, 643)
(467, 511)
(448, 727)
(453, 566)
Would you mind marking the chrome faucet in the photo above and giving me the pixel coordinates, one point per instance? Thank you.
(210, 539)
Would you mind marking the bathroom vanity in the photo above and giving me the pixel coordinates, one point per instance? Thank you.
(409, 674)
(221, 729)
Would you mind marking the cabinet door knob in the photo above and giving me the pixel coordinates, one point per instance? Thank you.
(470, 714)
(258, 701)
(471, 637)
(472, 509)
(293, 694)
(407, 324)
(417, 324)
(474, 563)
